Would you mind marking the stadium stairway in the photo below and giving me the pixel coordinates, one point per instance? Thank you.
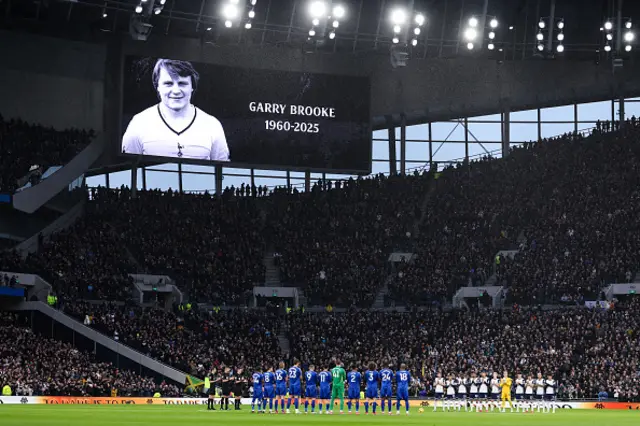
(423, 209)
(283, 341)
(378, 303)
(272, 272)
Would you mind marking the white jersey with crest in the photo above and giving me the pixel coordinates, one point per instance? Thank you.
(484, 385)
(439, 383)
(519, 386)
(451, 387)
(539, 386)
(551, 387)
(475, 383)
(529, 387)
(495, 386)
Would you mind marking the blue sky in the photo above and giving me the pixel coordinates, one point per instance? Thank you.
(524, 128)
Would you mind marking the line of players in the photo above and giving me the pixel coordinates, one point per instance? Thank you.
(324, 387)
(481, 393)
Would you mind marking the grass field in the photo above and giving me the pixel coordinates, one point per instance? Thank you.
(78, 415)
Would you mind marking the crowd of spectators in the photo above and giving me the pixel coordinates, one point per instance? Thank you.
(27, 147)
(211, 246)
(567, 204)
(34, 365)
(190, 341)
(335, 240)
(587, 351)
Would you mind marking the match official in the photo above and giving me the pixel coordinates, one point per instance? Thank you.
(175, 127)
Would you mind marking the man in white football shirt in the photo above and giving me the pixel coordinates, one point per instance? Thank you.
(175, 127)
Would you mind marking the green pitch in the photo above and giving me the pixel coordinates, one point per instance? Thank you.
(78, 415)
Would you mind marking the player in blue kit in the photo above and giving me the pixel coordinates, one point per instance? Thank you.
(311, 389)
(269, 389)
(325, 389)
(354, 379)
(403, 378)
(295, 387)
(386, 377)
(281, 386)
(258, 395)
(371, 376)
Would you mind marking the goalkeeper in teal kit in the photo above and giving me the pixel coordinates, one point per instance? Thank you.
(337, 389)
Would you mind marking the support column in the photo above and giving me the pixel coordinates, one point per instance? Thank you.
(288, 179)
(134, 181)
(539, 124)
(622, 114)
(430, 147)
(575, 118)
(144, 178)
(106, 180)
(551, 25)
(506, 131)
(180, 177)
(403, 144)
(392, 145)
(307, 181)
(218, 178)
(253, 183)
(466, 140)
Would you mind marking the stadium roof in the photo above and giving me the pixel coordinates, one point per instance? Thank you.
(366, 26)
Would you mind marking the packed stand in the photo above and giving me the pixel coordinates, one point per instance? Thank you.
(31, 148)
(85, 261)
(33, 365)
(191, 342)
(587, 351)
(568, 204)
(334, 241)
(212, 247)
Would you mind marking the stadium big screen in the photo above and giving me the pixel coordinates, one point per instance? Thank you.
(201, 112)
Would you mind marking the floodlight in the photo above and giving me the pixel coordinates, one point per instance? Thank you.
(419, 19)
(315, 22)
(540, 47)
(395, 40)
(396, 29)
(104, 14)
(560, 24)
(228, 23)
(492, 35)
(627, 48)
(416, 31)
(252, 14)
(414, 42)
(560, 36)
(540, 36)
(157, 10)
(628, 25)
(560, 48)
(629, 36)
(162, 2)
(230, 11)
(607, 48)
(253, 2)
(470, 34)
(317, 9)
(473, 21)
(541, 24)
(335, 24)
(511, 28)
(398, 16)
(608, 25)
(470, 46)
(338, 12)
(493, 23)
(609, 37)
(139, 8)
(247, 25)
(312, 33)
(332, 35)
(491, 46)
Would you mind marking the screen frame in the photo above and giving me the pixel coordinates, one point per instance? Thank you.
(230, 164)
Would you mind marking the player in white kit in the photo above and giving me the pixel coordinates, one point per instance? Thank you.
(550, 394)
(495, 391)
(484, 391)
(439, 384)
(175, 127)
(463, 388)
(528, 393)
(451, 392)
(519, 392)
(540, 385)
